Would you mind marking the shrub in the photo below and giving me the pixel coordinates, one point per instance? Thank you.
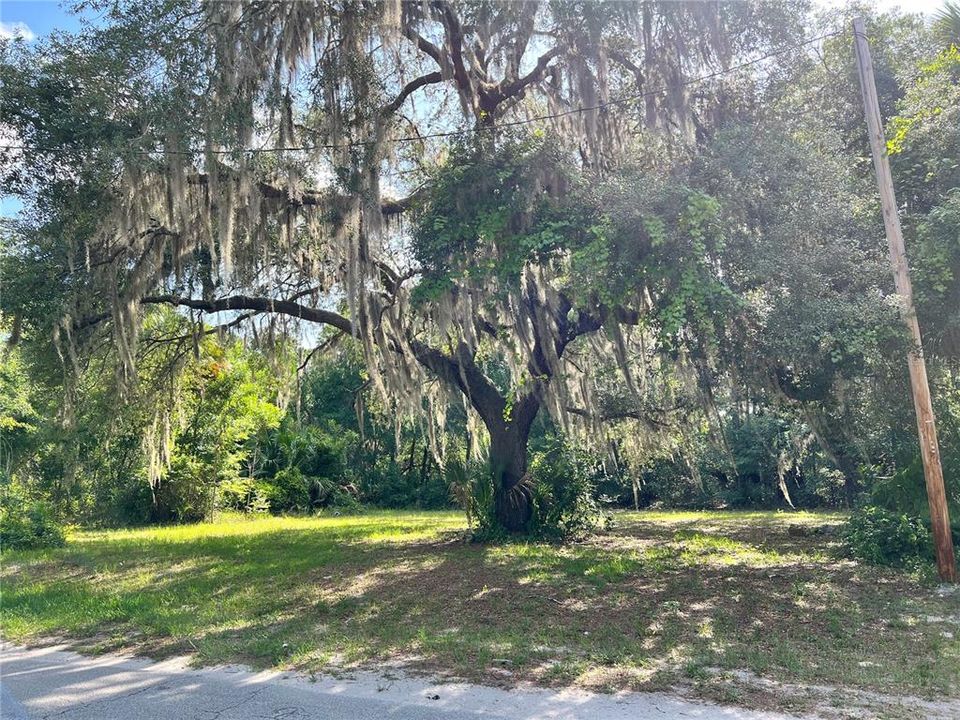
(399, 483)
(305, 466)
(187, 492)
(884, 537)
(243, 495)
(481, 511)
(288, 489)
(342, 498)
(906, 491)
(459, 482)
(26, 525)
(564, 495)
(124, 502)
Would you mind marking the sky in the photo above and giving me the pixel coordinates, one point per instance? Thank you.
(32, 19)
(35, 18)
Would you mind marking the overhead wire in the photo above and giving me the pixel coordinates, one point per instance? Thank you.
(465, 131)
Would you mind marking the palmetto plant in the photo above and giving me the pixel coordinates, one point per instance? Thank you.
(946, 24)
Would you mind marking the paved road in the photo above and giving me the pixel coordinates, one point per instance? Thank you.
(51, 683)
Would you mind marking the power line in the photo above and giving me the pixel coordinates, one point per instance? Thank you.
(466, 131)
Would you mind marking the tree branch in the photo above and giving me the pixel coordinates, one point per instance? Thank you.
(408, 89)
(463, 373)
(621, 59)
(451, 24)
(236, 322)
(321, 348)
(258, 304)
(506, 90)
(460, 371)
(614, 415)
(317, 197)
(424, 45)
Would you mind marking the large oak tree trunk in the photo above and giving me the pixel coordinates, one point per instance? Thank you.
(509, 441)
(508, 462)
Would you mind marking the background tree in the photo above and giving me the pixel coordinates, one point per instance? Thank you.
(199, 218)
(626, 260)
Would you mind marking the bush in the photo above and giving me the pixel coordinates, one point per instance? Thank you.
(481, 512)
(883, 537)
(389, 482)
(342, 498)
(27, 525)
(564, 495)
(306, 466)
(122, 503)
(906, 490)
(244, 495)
(187, 492)
(289, 489)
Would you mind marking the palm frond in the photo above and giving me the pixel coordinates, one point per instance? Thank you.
(946, 24)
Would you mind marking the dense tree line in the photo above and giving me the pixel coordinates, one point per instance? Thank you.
(595, 275)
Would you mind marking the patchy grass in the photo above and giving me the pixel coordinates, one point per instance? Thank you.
(709, 601)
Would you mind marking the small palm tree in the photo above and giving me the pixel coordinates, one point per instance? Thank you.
(946, 24)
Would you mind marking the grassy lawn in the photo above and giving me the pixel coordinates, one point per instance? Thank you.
(715, 603)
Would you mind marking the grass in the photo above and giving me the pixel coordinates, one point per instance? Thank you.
(701, 600)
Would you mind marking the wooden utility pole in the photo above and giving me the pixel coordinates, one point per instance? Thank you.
(926, 425)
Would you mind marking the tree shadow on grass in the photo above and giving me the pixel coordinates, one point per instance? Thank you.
(633, 608)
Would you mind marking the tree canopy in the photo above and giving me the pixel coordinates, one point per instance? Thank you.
(626, 215)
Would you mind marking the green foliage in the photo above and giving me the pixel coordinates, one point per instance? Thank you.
(461, 475)
(762, 459)
(389, 484)
(27, 524)
(522, 206)
(925, 149)
(924, 137)
(301, 466)
(905, 490)
(562, 489)
(19, 420)
(565, 505)
(657, 236)
(883, 537)
(187, 491)
(290, 489)
(222, 403)
(244, 495)
(946, 24)
(91, 459)
(485, 527)
(385, 468)
(125, 500)
(693, 288)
